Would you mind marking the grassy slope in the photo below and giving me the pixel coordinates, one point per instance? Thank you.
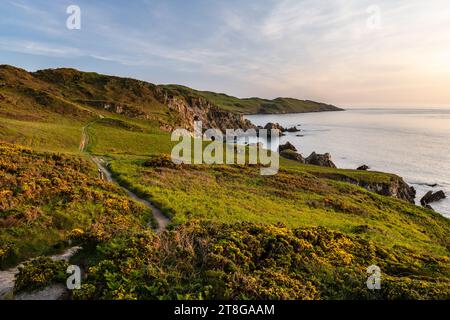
(256, 105)
(230, 195)
(299, 196)
(43, 136)
(43, 196)
(236, 194)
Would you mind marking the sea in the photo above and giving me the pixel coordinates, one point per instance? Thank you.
(413, 143)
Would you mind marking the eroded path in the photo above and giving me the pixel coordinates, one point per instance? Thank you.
(160, 218)
(102, 165)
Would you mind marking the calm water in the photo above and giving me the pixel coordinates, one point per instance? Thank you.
(413, 143)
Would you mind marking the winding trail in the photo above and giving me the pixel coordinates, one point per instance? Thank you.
(102, 165)
(59, 291)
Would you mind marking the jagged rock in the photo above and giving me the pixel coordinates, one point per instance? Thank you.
(196, 108)
(425, 198)
(287, 146)
(431, 196)
(274, 126)
(400, 189)
(396, 187)
(292, 155)
(293, 129)
(323, 160)
(363, 168)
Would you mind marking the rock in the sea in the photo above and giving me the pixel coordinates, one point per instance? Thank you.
(431, 196)
(425, 198)
(274, 126)
(287, 146)
(292, 155)
(323, 160)
(363, 168)
(293, 129)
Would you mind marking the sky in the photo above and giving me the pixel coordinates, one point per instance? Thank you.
(344, 52)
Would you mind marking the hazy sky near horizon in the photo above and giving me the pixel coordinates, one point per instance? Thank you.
(335, 51)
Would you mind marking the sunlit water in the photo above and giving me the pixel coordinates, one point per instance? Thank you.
(413, 143)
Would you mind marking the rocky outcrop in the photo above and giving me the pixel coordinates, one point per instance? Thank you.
(431, 197)
(274, 126)
(323, 160)
(363, 168)
(195, 108)
(288, 151)
(292, 155)
(287, 146)
(119, 108)
(396, 188)
(293, 129)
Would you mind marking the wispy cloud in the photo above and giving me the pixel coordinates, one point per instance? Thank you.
(304, 48)
(37, 48)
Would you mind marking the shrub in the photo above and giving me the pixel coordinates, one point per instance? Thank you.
(205, 260)
(39, 273)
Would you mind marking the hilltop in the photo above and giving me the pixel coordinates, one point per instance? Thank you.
(46, 94)
(258, 105)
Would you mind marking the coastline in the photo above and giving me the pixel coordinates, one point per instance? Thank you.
(287, 113)
(352, 145)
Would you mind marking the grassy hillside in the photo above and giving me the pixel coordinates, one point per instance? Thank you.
(44, 196)
(305, 233)
(294, 197)
(258, 105)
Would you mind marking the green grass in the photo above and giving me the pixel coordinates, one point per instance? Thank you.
(233, 194)
(109, 140)
(43, 136)
(299, 195)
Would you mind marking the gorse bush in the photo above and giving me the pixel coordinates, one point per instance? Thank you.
(56, 193)
(39, 273)
(204, 260)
